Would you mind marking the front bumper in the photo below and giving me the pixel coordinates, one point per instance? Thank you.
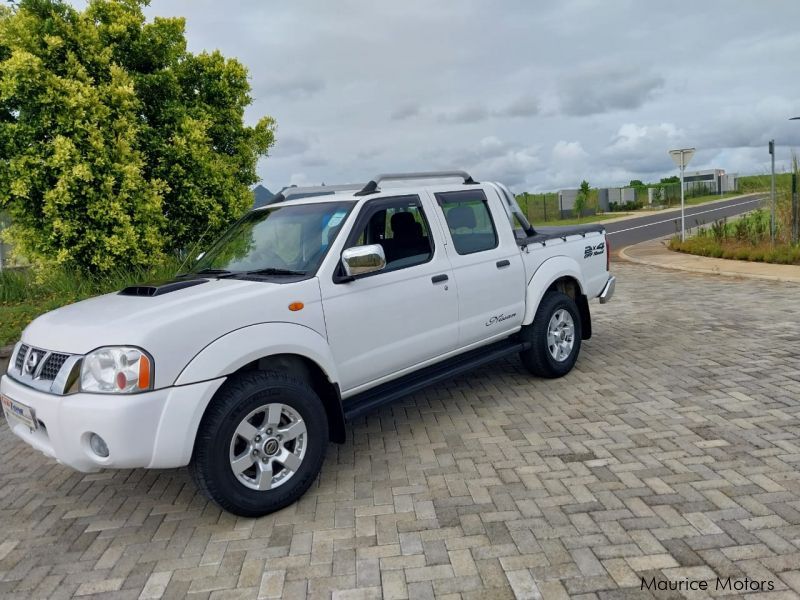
(150, 430)
(608, 291)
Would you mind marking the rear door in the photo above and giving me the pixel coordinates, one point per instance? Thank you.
(487, 264)
(384, 322)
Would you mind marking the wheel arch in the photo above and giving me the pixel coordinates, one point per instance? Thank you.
(571, 287)
(305, 368)
(262, 346)
(563, 274)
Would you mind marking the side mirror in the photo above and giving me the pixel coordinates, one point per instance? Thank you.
(360, 260)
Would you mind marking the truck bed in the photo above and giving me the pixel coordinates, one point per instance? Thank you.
(549, 233)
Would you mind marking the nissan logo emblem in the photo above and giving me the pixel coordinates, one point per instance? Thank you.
(31, 362)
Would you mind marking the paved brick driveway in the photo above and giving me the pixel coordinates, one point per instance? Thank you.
(671, 452)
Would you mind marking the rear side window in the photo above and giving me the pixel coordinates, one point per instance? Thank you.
(469, 220)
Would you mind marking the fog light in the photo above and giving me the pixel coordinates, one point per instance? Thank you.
(98, 445)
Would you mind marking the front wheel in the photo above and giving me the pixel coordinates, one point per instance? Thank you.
(554, 336)
(260, 444)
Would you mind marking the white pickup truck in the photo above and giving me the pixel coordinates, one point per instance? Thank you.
(307, 313)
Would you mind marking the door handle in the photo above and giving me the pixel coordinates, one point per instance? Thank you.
(503, 263)
(439, 278)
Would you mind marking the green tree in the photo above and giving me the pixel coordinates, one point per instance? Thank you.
(581, 199)
(636, 183)
(671, 179)
(116, 144)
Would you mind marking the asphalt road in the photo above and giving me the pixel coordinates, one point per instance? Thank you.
(633, 231)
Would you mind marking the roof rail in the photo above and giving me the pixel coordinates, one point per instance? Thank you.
(313, 190)
(372, 186)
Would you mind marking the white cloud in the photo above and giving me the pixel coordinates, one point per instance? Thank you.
(292, 87)
(632, 138)
(568, 151)
(464, 114)
(513, 167)
(289, 145)
(510, 163)
(600, 89)
(751, 125)
(300, 180)
(524, 106)
(406, 111)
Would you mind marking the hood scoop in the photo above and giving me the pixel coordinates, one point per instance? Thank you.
(159, 289)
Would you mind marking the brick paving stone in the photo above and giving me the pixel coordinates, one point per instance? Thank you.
(671, 451)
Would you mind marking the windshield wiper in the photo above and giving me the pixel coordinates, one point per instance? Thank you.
(213, 272)
(227, 274)
(274, 271)
(217, 272)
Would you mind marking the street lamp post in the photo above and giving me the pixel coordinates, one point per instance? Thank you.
(682, 156)
(795, 205)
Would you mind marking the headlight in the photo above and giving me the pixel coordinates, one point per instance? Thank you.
(116, 370)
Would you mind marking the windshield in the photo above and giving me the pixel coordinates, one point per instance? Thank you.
(290, 240)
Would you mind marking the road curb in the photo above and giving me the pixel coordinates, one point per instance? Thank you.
(670, 259)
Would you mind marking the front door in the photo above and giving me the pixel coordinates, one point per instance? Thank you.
(384, 322)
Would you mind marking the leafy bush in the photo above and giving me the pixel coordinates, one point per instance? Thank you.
(707, 245)
(631, 205)
(118, 145)
(719, 230)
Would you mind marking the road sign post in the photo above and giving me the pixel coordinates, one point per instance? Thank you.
(682, 156)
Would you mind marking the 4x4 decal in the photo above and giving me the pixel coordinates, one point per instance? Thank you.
(594, 250)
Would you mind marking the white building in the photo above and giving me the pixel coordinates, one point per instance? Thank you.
(715, 181)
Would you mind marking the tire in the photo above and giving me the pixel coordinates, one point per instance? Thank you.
(539, 359)
(234, 431)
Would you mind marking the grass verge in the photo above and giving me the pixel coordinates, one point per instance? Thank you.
(782, 254)
(25, 294)
(703, 199)
(746, 238)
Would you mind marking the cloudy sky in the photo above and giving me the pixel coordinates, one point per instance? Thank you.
(539, 95)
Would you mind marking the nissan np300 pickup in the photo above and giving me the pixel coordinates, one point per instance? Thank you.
(308, 312)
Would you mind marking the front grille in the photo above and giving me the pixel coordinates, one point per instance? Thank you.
(39, 368)
(52, 366)
(23, 350)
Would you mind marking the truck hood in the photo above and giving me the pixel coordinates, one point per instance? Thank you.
(175, 326)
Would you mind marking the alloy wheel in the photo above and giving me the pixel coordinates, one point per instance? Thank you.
(560, 335)
(268, 447)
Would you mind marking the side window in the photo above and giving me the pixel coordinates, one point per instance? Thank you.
(400, 227)
(469, 220)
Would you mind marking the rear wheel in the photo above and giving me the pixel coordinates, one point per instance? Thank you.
(554, 335)
(260, 444)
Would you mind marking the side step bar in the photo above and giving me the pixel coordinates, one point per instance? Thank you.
(365, 402)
